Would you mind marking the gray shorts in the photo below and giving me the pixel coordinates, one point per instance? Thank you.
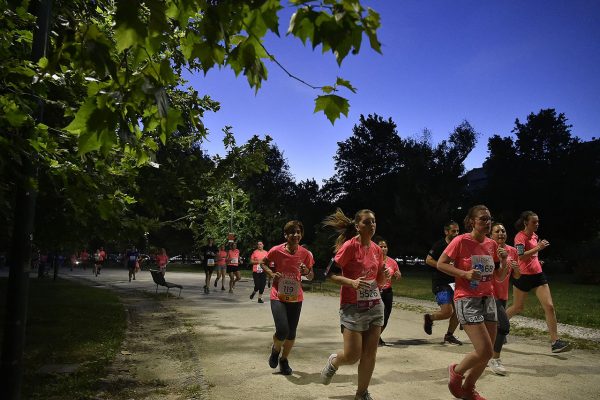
(475, 310)
(360, 321)
(220, 268)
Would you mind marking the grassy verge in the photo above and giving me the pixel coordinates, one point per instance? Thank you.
(68, 324)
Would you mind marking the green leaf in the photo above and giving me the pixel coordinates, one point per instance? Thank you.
(332, 106)
(43, 62)
(346, 84)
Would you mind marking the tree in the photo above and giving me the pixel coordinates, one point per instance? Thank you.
(101, 88)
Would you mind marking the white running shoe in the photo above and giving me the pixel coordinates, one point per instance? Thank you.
(328, 371)
(496, 366)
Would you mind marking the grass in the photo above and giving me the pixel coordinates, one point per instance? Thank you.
(68, 324)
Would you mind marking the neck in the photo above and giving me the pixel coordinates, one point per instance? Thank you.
(291, 247)
(364, 240)
(477, 235)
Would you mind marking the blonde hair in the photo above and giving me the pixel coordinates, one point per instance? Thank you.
(344, 225)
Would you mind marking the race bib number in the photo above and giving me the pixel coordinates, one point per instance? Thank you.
(210, 262)
(259, 268)
(368, 298)
(233, 261)
(485, 265)
(288, 290)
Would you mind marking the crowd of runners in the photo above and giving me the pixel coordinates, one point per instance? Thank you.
(471, 275)
(470, 281)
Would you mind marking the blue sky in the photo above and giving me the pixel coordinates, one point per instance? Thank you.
(488, 62)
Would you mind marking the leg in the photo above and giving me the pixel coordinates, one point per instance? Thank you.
(503, 327)
(368, 355)
(231, 283)
(517, 306)
(453, 322)
(482, 336)
(262, 281)
(545, 297)
(388, 299)
(352, 349)
(445, 312)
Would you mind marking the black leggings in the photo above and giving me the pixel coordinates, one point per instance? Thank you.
(260, 280)
(503, 325)
(286, 317)
(387, 296)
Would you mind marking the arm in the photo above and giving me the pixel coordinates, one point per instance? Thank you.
(500, 273)
(444, 265)
(527, 254)
(430, 261)
(266, 262)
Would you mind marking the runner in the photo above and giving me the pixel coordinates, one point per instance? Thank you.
(131, 258)
(532, 277)
(84, 257)
(472, 258)
(233, 265)
(258, 274)
(221, 266)
(99, 258)
(387, 294)
(291, 263)
(442, 286)
(162, 259)
(359, 270)
(501, 296)
(209, 255)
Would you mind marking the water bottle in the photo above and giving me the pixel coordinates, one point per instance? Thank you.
(474, 282)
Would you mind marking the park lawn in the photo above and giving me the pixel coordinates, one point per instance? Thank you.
(68, 324)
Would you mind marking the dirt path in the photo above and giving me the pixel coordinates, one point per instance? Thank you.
(216, 347)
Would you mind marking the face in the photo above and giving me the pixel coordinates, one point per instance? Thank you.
(366, 226)
(234, 245)
(452, 232)
(533, 223)
(260, 245)
(482, 222)
(294, 236)
(499, 234)
(384, 247)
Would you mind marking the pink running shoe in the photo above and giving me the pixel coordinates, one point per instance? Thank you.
(455, 382)
(472, 394)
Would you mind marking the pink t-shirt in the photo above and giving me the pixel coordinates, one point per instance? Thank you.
(289, 266)
(161, 260)
(221, 255)
(392, 267)
(258, 255)
(468, 254)
(356, 261)
(501, 287)
(530, 265)
(233, 257)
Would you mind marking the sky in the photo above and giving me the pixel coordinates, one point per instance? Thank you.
(442, 62)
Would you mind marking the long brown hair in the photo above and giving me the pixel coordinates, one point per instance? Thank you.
(344, 225)
(523, 219)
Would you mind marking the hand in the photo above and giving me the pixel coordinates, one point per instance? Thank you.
(397, 275)
(543, 244)
(276, 275)
(304, 270)
(361, 283)
(387, 273)
(514, 265)
(502, 253)
(473, 275)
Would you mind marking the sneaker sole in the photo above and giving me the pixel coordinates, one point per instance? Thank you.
(561, 350)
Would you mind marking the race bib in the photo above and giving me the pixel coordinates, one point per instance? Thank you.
(259, 268)
(233, 261)
(288, 290)
(485, 265)
(210, 262)
(368, 298)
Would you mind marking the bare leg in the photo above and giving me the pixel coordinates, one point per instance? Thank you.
(482, 337)
(518, 304)
(368, 355)
(545, 298)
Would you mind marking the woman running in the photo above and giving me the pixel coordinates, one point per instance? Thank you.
(387, 294)
(233, 265)
(473, 258)
(258, 273)
(532, 278)
(221, 266)
(161, 260)
(360, 271)
(501, 295)
(291, 262)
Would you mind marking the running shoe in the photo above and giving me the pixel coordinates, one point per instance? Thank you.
(252, 295)
(284, 366)
(273, 358)
(472, 394)
(559, 346)
(260, 301)
(496, 366)
(364, 396)
(455, 382)
(216, 283)
(427, 323)
(230, 290)
(328, 371)
(222, 287)
(450, 338)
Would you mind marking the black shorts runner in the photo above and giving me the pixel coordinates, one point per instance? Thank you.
(527, 282)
